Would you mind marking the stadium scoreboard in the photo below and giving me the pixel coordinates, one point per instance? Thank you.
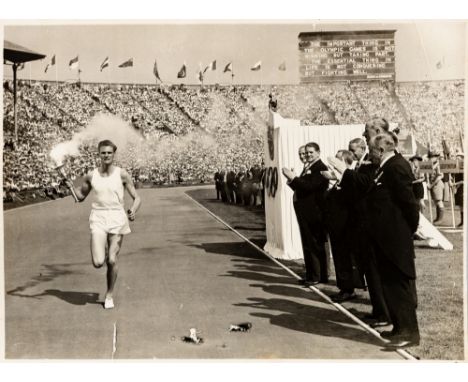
(347, 56)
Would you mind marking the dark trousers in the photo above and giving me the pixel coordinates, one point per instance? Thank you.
(368, 266)
(313, 247)
(375, 288)
(230, 193)
(224, 197)
(238, 196)
(400, 295)
(342, 258)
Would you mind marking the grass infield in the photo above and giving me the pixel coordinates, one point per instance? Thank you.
(439, 283)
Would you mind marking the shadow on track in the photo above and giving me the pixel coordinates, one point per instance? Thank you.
(50, 272)
(291, 306)
(71, 297)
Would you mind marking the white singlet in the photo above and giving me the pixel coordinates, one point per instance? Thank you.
(108, 212)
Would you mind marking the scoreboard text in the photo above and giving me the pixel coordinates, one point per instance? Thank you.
(342, 56)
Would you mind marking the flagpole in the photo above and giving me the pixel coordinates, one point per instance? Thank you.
(30, 64)
(232, 73)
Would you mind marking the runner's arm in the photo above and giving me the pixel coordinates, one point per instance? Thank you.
(130, 187)
(83, 191)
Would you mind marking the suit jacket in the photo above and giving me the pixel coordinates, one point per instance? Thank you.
(310, 188)
(337, 212)
(230, 178)
(356, 185)
(359, 181)
(394, 213)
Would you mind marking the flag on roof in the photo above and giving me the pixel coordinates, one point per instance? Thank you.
(282, 66)
(228, 68)
(257, 66)
(182, 72)
(105, 63)
(73, 64)
(52, 61)
(155, 71)
(212, 66)
(200, 76)
(127, 63)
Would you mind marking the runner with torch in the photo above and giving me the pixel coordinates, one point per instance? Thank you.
(108, 220)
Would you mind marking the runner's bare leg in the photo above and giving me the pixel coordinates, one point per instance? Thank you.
(115, 243)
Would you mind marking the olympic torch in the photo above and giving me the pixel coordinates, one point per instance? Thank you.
(59, 167)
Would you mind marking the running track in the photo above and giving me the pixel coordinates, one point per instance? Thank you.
(180, 268)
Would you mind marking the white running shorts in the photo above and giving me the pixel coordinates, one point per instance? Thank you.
(109, 221)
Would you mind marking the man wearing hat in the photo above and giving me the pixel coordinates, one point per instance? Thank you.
(435, 185)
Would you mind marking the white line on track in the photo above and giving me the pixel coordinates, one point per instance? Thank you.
(339, 307)
(114, 340)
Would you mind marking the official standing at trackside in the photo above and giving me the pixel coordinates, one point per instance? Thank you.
(310, 188)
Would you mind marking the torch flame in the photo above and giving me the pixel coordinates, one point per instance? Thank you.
(59, 152)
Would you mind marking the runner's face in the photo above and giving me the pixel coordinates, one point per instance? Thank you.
(106, 153)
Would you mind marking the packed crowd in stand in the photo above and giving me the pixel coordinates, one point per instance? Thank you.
(229, 122)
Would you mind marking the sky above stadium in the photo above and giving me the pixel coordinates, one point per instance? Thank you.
(424, 50)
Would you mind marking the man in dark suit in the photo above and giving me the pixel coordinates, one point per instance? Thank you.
(217, 184)
(309, 190)
(230, 180)
(339, 226)
(394, 217)
(239, 185)
(357, 183)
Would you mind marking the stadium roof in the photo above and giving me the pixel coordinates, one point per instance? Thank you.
(18, 54)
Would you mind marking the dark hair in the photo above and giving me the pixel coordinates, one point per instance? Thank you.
(106, 142)
(314, 145)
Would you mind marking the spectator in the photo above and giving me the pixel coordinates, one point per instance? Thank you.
(435, 185)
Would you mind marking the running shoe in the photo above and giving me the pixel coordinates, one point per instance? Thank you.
(109, 303)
